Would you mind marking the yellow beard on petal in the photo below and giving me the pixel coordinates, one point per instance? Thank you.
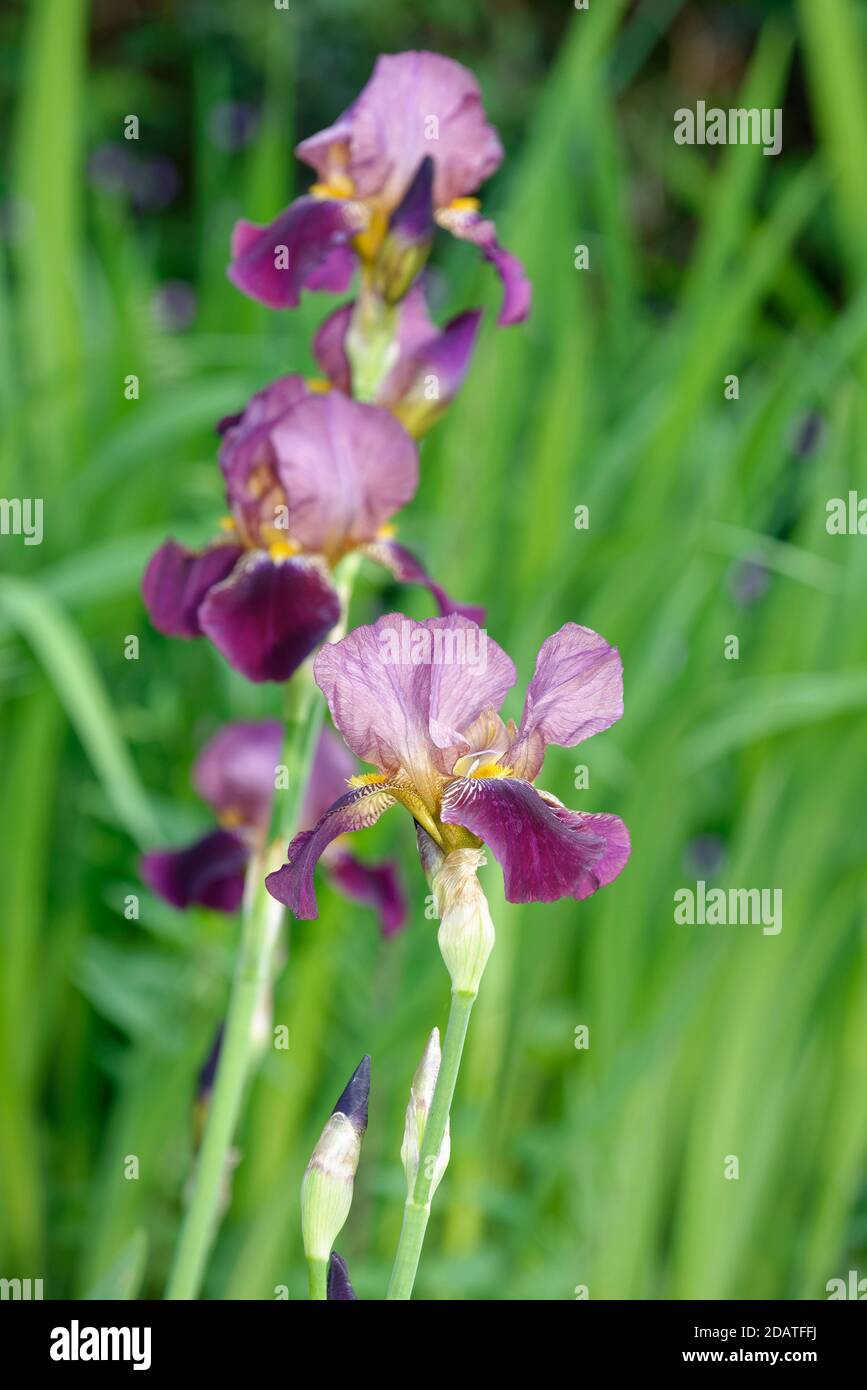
(366, 779)
(491, 770)
(283, 550)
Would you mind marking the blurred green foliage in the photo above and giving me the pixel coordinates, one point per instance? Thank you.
(602, 1167)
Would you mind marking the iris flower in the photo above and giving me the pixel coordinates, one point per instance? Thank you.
(420, 701)
(234, 774)
(408, 155)
(309, 477)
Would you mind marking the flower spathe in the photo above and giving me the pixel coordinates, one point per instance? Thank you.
(420, 701)
(309, 477)
(235, 775)
(373, 178)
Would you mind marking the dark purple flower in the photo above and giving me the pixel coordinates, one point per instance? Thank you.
(428, 371)
(420, 701)
(235, 773)
(414, 142)
(309, 477)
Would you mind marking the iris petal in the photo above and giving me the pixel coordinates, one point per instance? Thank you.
(209, 873)
(293, 884)
(546, 851)
(374, 885)
(304, 246)
(177, 580)
(408, 570)
(268, 616)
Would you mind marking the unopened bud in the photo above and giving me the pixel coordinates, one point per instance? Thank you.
(409, 238)
(340, 1288)
(326, 1190)
(420, 1101)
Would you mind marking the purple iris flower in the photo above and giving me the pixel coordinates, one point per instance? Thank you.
(408, 155)
(309, 477)
(234, 774)
(421, 702)
(428, 370)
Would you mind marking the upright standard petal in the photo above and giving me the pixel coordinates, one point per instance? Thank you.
(373, 885)
(400, 691)
(209, 873)
(418, 104)
(273, 263)
(247, 456)
(546, 851)
(234, 772)
(469, 225)
(268, 616)
(177, 580)
(293, 884)
(408, 570)
(346, 469)
(576, 691)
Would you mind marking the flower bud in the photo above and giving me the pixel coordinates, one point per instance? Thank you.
(326, 1190)
(420, 1100)
(466, 934)
(409, 238)
(340, 1288)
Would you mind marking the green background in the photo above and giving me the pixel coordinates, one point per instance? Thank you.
(602, 1167)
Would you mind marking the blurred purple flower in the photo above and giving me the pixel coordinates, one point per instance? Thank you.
(232, 125)
(420, 702)
(749, 579)
(309, 478)
(154, 183)
(174, 305)
(408, 154)
(705, 855)
(235, 774)
(110, 168)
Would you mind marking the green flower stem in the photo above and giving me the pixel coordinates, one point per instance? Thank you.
(260, 926)
(417, 1209)
(317, 1274)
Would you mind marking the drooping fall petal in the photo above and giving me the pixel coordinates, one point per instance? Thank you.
(293, 884)
(306, 246)
(546, 851)
(209, 873)
(268, 616)
(177, 580)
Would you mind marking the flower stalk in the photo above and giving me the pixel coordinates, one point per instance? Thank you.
(466, 937)
(260, 923)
